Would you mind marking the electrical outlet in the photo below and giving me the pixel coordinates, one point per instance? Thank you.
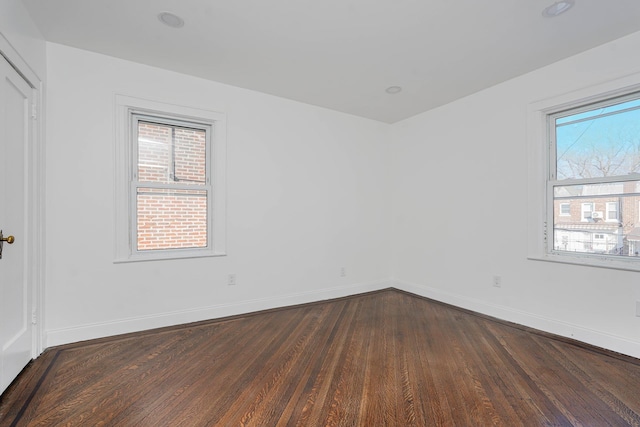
(343, 272)
(497, 281)
(231, 280)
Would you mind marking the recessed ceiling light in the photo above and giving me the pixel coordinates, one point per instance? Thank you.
(171, 20)
(393, 90)
(558, 8)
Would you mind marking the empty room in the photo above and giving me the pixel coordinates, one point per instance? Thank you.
(349, 213)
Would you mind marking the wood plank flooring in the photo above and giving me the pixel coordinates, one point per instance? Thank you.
(381, 359)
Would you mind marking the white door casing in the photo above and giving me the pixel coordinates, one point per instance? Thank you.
(16, 291)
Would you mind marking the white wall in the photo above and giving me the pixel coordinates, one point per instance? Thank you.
(308, 193)
(460, 210)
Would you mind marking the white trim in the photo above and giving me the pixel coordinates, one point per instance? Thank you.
(126, 107)
(625, 263)
(17, 62)
(37, 217)
(141, 323)
(35, 193)
(542, 323)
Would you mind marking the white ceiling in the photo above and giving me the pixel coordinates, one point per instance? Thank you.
(342, 54)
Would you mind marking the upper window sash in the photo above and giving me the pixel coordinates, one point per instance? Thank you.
(582, 118)
(136, 118)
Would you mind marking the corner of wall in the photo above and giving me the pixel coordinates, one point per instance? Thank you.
(122, 326)
(542, 323)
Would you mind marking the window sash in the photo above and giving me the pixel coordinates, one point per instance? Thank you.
(195, 226)
(136, 118)
(575, 110)
(136, 185)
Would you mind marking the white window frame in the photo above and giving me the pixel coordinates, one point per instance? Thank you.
(560, 209)
(539, 154)
(128, 111)
(617, 209)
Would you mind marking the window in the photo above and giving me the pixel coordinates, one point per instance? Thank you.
(594, 160)
(170, 175)
(583, 146)
(612, 211)
(565, 209)
(171, 183)
(587, 212)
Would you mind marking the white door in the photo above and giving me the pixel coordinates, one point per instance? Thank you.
(15, 293)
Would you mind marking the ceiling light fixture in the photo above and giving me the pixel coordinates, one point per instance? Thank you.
(558, 8)
(171, 20)
(392, 90)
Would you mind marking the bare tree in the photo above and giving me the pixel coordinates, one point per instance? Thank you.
(600, 154)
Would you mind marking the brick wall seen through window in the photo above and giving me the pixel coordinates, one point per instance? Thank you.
(171, 216)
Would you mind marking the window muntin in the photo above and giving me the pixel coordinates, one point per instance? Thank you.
(595, 162)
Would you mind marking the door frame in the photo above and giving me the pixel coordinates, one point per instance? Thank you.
(35, 196)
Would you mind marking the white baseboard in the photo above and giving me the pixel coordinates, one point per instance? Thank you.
(568, 330)
(85, 332)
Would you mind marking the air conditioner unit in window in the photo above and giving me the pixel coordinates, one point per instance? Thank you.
(596, 215)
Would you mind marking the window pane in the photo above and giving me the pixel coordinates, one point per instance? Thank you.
(171, 154)
(612, 211)
(604, 141)
(189, 165)
(606, 223)
(587, 211)
(171, 219)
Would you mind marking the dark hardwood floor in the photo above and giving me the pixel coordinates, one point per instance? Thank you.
(381, 359)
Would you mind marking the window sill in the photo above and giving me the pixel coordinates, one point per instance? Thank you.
(169, 255)
(626, 263)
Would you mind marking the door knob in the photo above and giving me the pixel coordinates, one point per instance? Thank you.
(3, 239)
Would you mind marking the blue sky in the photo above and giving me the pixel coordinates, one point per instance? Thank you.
(611, 132)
